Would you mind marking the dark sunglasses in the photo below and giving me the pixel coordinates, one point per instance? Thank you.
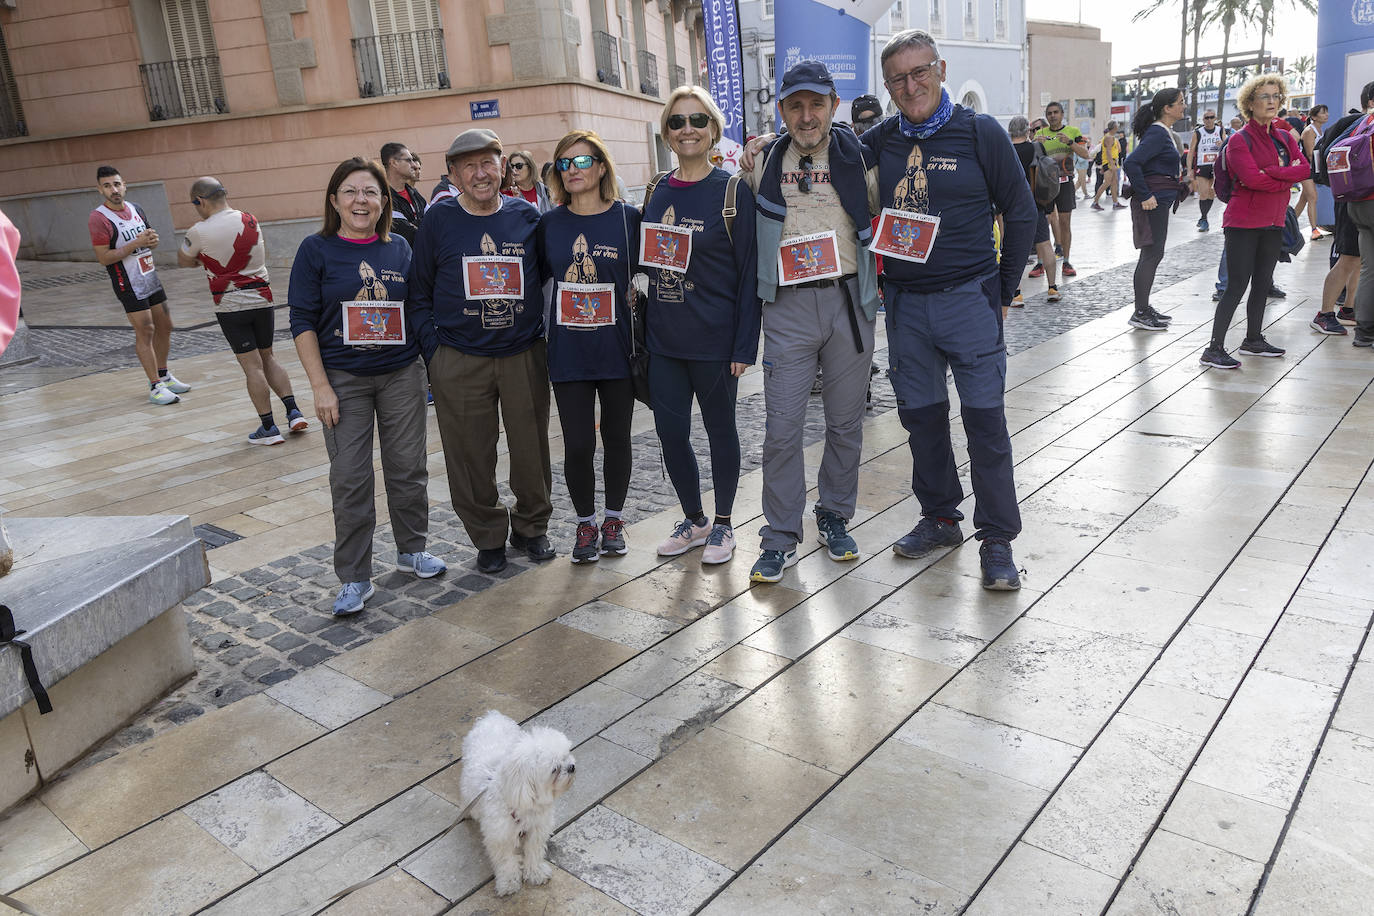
(518, 166)
(582, 162)
(1209, 117)
(698, 120)
(804, 183)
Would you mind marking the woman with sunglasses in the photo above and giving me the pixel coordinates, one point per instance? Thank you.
(589, 247)
(1265, 162)
(526, 183)
(355, 342)
(702, 318)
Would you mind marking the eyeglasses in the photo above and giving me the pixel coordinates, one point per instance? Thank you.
(517, 166)
(582, 162)
(804, 183)
(1209, 117)
(1269, 97)
(923, 72)
(354, 193)
(697, 119)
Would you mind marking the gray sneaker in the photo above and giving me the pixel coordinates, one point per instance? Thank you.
(840, 543)
(929, 535)
(770, 565)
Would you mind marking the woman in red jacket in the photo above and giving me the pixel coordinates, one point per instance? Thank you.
(1264, 162)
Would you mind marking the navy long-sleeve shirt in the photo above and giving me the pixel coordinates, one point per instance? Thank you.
(1154, 154)
(960, 177)
(442, 312)
(712, 311)
(329, 271)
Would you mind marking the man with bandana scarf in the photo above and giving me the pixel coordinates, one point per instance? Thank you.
(937, 159)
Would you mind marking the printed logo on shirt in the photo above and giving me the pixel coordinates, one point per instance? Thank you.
(913, 191)
(373, 289)
(583, 268)
(667, 283)
(498, 314)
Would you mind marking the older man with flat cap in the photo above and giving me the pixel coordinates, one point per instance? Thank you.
(476, 302)
(228, 243)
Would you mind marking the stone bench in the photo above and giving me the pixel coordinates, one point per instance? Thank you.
(100, 599)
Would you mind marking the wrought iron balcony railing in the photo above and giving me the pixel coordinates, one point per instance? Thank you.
(400, 62)
(183, 88)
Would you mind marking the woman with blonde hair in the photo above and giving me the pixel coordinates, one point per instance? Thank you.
(702, 318)
(589, 248)
(1264, 162)
(525, 181)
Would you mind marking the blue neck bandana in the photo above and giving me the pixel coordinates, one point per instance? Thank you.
(928, 127)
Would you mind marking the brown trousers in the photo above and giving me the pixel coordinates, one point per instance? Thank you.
(468, 392)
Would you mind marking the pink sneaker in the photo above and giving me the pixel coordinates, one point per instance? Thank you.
(720, 545)
(684, 537)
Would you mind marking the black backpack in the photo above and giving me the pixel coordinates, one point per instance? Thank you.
(1045, 187)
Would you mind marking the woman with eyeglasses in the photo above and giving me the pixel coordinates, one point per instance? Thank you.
(589, 248)
(354, 338)
(1153, 168)
(702, 317)
(1264, 162)
(525, 181)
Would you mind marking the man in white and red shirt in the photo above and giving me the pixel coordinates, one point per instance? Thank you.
(124, 243)
(228, 243)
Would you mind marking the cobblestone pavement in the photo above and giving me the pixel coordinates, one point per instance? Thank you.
(268, 623)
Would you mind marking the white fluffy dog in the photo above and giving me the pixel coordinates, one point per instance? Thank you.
(519, 774)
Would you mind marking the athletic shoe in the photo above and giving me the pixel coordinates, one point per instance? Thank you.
(264, 435)
(174, 384)
(1098, 206)
(585, 550)
(1052, 294)
(491, 560)
(929, 535)
(1316, 233)
(1276, 293)
(839, 543)
(1158, 315)
(1217, 294)
(1018, 301)
(297, 421)
(613, 537)
(1147, 322)
(351, 598)
(424, 565)
(999, 569)
(720, 545)
(1326, 323)
(1260, 347)
(1361, 341)
(1038, 270)
(684, 537)
(537, 548)
(161, 396)
(1058, 251)
(1346, 315)
(1218, 358)
(770, 564)
(429, 397)
(1067, 270)
(1118, 206)
(1202, 225)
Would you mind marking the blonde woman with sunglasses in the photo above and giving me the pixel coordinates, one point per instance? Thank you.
(525, 181)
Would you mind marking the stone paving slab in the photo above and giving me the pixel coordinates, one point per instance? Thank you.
(885, 735)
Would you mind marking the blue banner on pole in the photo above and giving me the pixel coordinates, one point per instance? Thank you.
(809, 30)
(725, 72)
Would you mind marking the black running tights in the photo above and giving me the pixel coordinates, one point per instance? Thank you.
(1151, 255)
(577, 414)
(1250, 258)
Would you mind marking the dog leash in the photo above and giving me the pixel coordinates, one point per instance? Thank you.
(313, 910)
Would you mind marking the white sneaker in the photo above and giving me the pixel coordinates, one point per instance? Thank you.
(720, 545)
(684, 537)
(160, 396)
(174, 384)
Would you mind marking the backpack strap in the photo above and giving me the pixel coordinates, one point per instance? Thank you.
(729, 210)
(653, 183)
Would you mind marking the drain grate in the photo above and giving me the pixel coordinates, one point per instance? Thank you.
(85, 276)
(215, 536)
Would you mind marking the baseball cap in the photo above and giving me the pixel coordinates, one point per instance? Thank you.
(865, 107)
(808, 76)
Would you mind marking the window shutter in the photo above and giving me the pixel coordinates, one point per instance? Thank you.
(406, 41)
(194, 55)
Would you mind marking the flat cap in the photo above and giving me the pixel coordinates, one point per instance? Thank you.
(472, 140)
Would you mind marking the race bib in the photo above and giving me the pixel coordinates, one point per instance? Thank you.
(905, 235)
(367, 324)
(1066, 170)
(145, 263)
(1338, 159)
(665, 247)
(493, 277)
(1209, 157)
(808, 257)
(586, 305)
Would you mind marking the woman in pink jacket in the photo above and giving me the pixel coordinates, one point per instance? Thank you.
(1265, 162)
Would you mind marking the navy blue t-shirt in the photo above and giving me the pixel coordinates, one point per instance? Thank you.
(960, 179)
(599, 249)
(443, 312)
(712, 311)
(329, 271)
(1155, 154)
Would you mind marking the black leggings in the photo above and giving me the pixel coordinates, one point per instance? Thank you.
(673, 383)
(1151, 255)
(577, 414)
(1250, 258)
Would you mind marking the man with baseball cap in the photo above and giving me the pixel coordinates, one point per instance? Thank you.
(476, 302)
(816, 189)
(864, 112)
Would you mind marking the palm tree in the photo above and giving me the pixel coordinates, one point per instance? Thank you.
(1199, 11)
(1266, 17)
(1155, 6)
(1300, 71)
(1226, 12)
